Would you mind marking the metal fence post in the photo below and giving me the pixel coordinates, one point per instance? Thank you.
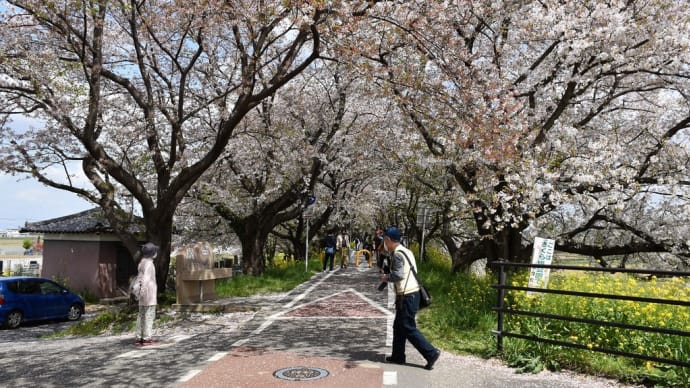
(499, 308)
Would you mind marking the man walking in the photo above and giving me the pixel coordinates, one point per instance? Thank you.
(329, 247)
(406, 302)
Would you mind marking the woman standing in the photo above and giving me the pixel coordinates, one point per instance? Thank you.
(148, 290)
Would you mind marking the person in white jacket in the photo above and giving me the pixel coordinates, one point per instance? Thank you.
(148, 290)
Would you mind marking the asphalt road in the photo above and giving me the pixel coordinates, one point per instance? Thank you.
(28, 360)
(337, 319)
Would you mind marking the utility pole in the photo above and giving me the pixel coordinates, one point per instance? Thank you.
(306, 244)
(421, 248)
(307, 216)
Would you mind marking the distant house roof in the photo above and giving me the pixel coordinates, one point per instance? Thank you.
(88, 221)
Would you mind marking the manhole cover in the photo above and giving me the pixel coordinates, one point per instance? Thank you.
(300, 373)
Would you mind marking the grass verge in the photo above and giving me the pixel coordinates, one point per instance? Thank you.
(281, 278)
(114, 319)
(460, 319)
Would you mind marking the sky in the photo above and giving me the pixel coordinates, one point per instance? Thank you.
(25, 200)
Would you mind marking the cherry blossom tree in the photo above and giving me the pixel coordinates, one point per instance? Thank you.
(144, 96)
(513, 119)
(307, 139)
(542, 106)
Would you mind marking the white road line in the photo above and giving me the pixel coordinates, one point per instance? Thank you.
(371, 302)
(189, 375)
(391, 317)
(377, 306)
(217, 356)
(308, 290)
(270, 320)
(325, 318)
(180, 337)
(132, 354)
(240, 342)
(287, 308)
(390, 378)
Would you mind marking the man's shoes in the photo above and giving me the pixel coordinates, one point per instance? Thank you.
(391, 360)
(138, 342)
(432, 360)
(148, 343)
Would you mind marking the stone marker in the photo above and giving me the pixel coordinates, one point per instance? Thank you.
(196, 275)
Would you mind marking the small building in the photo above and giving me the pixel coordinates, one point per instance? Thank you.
(82, 251)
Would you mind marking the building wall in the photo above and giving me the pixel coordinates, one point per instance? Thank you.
(84, 262)
(104, 279)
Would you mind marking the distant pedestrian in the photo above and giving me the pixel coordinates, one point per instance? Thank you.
(343, 244)
(357, 244)
(146, 295)
(329, 247)
(380, 254)
(406, 302)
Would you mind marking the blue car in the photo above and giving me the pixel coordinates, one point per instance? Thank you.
(24, 299)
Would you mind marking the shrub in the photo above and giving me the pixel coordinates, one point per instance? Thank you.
(597, 336)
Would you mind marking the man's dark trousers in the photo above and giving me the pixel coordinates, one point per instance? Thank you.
(405, 328)
(328, 259)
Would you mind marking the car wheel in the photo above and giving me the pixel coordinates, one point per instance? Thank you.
(14, 319)
(74, 312)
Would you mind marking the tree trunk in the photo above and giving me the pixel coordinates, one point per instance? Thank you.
(505, 245)
(250, 231)
(463, 254)
(163, 240)
(298, 247)
(316, 224)
(253, 262)
(159, 231)
(296, 238)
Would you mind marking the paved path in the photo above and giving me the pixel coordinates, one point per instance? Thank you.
(336, 329)
(336, 325)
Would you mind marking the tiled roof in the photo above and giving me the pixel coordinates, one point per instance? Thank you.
(88, 221)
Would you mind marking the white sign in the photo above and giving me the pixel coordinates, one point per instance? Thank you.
(541, 254)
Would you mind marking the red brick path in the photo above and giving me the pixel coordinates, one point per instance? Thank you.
(347, 304)
(246, 367)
